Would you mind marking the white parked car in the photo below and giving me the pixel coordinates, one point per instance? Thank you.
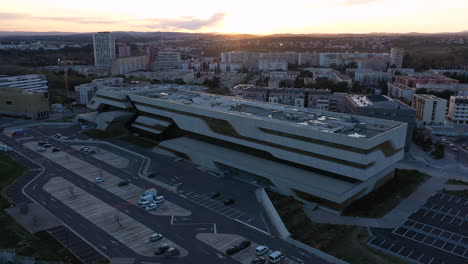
(99, 179)
(40, 149)
(151, 206)
(155, 237)
(159, 199)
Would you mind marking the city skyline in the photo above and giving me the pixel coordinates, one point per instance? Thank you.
(259, 17)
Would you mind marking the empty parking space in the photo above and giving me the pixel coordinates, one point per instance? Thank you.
(130, 192)
(222, 242)
(105, 156)
(119, 225)
(439, 229)
(218, 206)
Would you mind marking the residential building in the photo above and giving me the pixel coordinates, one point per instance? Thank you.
(84, 92)
(320, 99)
(272, 65)
(320, 157)
(383, 107)
(369, 78)
(167, 60)
(29, 83)
(398, 90)
(430, 110)
(129, 64)
(104, 48)
(396, 57)
(23, 102)
(186, 76)
(423, 78)
(458, 109)
(374, 63)
(124, 50)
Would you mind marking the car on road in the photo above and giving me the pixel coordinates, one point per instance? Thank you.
(232, 250)
(55, 150)
(245, 244)
(5, 148)
(454, 149)
(58, 135)
(258, 260)
(63, 137)
(228, 201)
(98, 179)
(215, 195)
(151, 206)
(122, 183)
(47, 145)
(178, 186)
(40, 149)
(160, 250)
(41, 143)
(171, 252)
(155, 237)
(261, 250)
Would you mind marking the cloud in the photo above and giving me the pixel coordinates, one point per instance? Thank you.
(182, 23)
(356, 2)
(187, 22)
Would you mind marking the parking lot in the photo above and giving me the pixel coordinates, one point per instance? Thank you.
(216, 205)
(436, 233)
(105, 156)
(222, 242)
(130, 192)
(121, 226)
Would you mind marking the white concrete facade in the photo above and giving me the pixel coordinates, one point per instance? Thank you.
(320, 157)
(104, 48)
(458, 109)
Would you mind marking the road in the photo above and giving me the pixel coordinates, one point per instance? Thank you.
(184, 235)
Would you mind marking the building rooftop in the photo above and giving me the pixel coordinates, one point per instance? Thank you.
(353, 126)
(378, 101)
(428, 96)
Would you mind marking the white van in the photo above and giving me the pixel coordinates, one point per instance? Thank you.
(261, 250)
(276, 257)
(145, 204)
(159, 199)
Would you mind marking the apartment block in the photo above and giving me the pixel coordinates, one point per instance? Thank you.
(458, 109)
(430, 110)
(104, 49)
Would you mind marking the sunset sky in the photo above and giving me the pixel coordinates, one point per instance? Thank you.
(238, 16)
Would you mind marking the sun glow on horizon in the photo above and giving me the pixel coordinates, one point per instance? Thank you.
(252, 17)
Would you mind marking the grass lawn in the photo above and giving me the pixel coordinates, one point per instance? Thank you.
(456, 182)
(140, 141)
(348, 243)
(96, 133)
(460, 193)
(40, 245)
(382, 200)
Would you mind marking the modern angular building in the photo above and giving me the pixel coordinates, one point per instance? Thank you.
(104, 49)
(319, 157)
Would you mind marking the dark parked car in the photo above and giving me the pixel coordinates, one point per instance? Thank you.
(41, 143)
(171, 252)
(245, 244)
(160, 250)
(228, 201)
(215, 195)
(47, 145)
(232, 250)
(123, 183)
(150, 174)
(258, 260)
(55, 150)
(178, 186)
